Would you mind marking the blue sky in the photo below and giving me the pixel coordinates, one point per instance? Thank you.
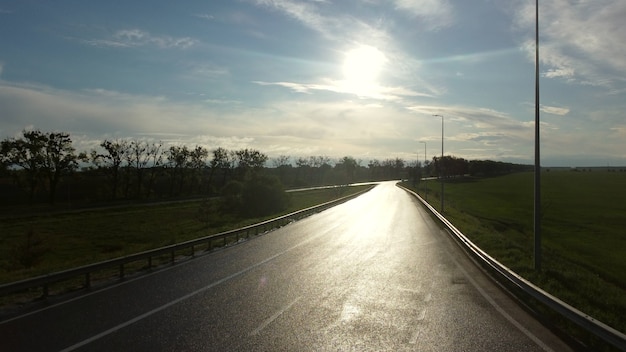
(322, 77)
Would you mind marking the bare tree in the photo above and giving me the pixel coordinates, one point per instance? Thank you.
(303, 168)
(283, 165)
(349, 166)
(281, 160)
(111, 161)
(41, 155)
(375, 169)
(319, 166)
(302, 162)
(197, 163)
(221, 161)
(60, 159)
(393, 168)
(138, 159)
(155, 157)
(249, 161)
(178, 159)
(25, 153)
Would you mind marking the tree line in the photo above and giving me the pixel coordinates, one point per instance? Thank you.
(42, 164)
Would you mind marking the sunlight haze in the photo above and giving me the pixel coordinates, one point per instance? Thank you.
(322, 77)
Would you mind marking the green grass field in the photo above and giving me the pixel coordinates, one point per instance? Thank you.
(67, 240)
(583, 237)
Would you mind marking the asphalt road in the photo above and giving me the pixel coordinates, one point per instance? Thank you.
(373, 274)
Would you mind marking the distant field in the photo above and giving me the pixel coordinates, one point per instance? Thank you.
(67, 240)
(583, 232)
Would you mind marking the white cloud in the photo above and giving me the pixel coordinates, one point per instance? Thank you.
(436, 14)
(298, 128)
(321, 17)
(563, 72)
(304, 12)
(96, 114)
(554, 110)
(350, 32)
(582, 42)
(620, 131)
(376, 92)
(480, 121)
(290, 127)
(204, 70)
(205, 16)
(475, 133)
(135, 37)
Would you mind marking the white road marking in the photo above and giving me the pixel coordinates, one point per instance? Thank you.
(418, 332)
(506, 315)
(415, 291)
(269, 320)
(182, 298)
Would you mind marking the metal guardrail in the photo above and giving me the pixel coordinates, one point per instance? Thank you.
(590, 324)
(44, 281)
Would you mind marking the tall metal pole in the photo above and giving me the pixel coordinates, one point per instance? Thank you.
(425, 158)
(441, 162)
(537, 220)
(417, 174)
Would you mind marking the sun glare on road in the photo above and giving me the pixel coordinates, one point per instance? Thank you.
(361, 69)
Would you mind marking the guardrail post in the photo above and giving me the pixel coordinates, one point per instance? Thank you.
(45, 281)
(501, 272)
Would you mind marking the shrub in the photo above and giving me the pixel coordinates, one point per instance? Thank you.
(263, 195)
(29, 252)
(231, 196)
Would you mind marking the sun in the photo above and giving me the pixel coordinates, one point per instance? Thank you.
(361, 69)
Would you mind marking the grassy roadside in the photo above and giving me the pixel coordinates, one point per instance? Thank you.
(49, 243)
(584, 244)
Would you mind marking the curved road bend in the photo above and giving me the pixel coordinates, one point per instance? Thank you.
(373, 274)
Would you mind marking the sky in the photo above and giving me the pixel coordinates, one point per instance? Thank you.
(359, 78)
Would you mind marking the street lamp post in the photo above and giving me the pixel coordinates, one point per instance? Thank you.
(441, 162)
(425, 158)
(416, 174)
(537, 220)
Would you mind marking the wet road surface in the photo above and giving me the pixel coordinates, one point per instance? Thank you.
(372, 274)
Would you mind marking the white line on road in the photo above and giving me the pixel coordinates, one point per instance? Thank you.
(418, 332)
(500, 310)
(183, 298)
(421, 317)
(269, 320)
